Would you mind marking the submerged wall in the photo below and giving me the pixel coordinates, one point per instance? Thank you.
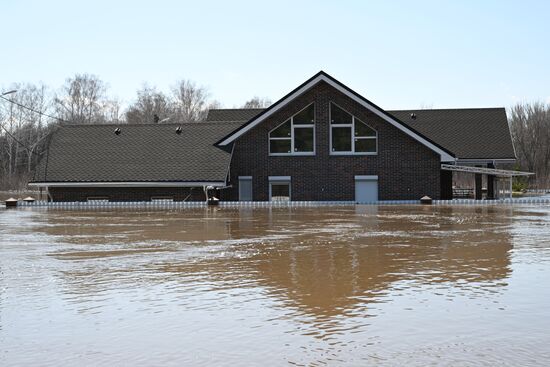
(126, 193)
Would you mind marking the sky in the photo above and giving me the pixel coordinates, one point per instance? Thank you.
(398, 54)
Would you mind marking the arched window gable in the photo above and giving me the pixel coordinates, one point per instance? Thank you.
(296, 136)
(350, 135)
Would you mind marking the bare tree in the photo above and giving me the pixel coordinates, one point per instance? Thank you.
(530, 129)
(149, 103)
(23, 130)
(82, 100)
(186, 102)
(189, 101)
(257, 102)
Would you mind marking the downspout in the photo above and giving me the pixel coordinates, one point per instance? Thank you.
(229, 165)
(228, 173)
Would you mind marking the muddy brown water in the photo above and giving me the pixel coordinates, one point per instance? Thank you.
(388, 285)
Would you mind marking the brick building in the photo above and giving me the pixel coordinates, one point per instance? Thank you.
(321, 142)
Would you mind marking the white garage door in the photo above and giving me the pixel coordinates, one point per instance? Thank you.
(366, 189)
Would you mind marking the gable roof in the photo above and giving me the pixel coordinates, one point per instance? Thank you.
(139, 154)
(470, 133)
(446, 155)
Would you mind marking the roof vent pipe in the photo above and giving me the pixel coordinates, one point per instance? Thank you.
(156, 118)
(178, 130)
(117, 131)
(413, 116)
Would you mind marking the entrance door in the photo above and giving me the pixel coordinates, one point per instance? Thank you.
(245, 188)
(366, 189)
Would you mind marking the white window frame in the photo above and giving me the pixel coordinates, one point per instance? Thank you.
(278, 180)
(353, 137)
(292, 127)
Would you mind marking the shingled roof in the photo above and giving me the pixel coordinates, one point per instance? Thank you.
(470, 133)
(233, 114)
(140, 153)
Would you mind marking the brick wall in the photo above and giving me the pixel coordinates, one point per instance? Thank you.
(125, 193)
(406, 169)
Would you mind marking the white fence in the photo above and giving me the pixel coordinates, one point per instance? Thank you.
(264, 204)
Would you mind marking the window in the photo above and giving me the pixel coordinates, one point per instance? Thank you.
(349, 135)
(102, 199)
(162, 198)
(296, 135)
(279, 188)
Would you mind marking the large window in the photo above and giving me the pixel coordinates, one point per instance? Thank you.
(296, 135)
(349, 135)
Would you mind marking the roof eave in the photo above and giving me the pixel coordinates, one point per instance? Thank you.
(129, 184)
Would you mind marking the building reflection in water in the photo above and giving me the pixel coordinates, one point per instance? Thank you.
(321, 262)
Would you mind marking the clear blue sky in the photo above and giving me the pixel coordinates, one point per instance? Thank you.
(399, 54)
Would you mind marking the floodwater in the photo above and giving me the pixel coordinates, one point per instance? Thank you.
(385, 286)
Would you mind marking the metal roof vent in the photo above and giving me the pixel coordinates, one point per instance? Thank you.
(117, 131)
(179, 130)
(413, 116)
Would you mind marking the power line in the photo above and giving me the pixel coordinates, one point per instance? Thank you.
(18, 141)
(35, 111)
(29, 150)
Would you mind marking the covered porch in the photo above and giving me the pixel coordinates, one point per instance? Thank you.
(499, 181)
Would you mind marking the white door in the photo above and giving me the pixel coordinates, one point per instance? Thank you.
(245, 188)
(366, 189)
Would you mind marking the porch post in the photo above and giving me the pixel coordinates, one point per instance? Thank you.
(490, 183)
(478, 182)
(446, 187)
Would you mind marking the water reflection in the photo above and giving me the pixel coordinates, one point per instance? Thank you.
(320, 263)
(380, 285)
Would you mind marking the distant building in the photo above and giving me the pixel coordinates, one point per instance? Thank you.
(320, 142)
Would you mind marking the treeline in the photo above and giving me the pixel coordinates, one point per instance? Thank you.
(530, 129)
(84, 99)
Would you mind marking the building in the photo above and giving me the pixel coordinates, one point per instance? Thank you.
(320, 142)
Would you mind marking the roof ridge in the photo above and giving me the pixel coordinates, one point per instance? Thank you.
(237, 109)
(153, 124)
(400, 109)
(448, 109)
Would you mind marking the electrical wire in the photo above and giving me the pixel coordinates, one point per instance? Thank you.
(33, 110)
(29, 150)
